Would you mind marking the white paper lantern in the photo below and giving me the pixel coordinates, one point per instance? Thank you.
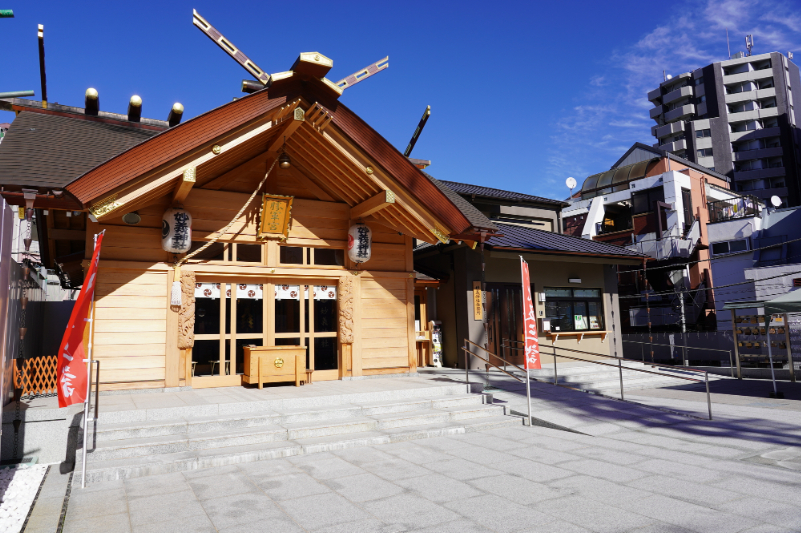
(176, 231)
(360, 242)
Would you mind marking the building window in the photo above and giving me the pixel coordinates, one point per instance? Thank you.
(703, 133)
(643, 201)
(699, 81)
(705, 152)
(729, 247)
(574, 309)
(296, 255)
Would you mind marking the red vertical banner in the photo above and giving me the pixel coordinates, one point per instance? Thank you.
(529, 321)
(72, 371)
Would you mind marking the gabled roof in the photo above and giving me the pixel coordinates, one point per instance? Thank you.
(488, 192)
(50, 151)
(349, 150)
(520, 238)
(472, 214)
(640, 152)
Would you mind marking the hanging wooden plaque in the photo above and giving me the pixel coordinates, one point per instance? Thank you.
(276, 214)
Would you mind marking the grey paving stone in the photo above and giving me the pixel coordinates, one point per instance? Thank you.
(593, 515)
(165, 511)
(492, 442)
(144, 487)
(686, 490)
(249, 508)
(611, 456)
(766, 511)
(558, 444)
(543, 455)
(325, 466)
(363, 487)
(273, 525)
(604, 470)
(361, 456)
(557, 526)
(235, 482)
(172, 498)
(483, 456)
(395, 510)
(97, 504)
(461, 469)
(598, 489)
(518, 489)
(210, 472)
(687, 515)
(290, 486)
(680, 470)
(438, 488)
(498, 514)
(457, 526)
(394, 469)
(363, 526)
(113, 523)
(190, 524)
(769, 528)
(533, 471)
(269, 468)
(321, 510)
(414, 453)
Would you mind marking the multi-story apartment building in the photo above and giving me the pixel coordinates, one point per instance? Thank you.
(737, 118)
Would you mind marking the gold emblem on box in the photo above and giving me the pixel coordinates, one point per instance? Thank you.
(279, 362)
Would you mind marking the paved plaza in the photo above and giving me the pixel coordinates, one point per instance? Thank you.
(623, 468)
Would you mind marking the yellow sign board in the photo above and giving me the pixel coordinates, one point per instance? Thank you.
(276, 213)
(478, 304)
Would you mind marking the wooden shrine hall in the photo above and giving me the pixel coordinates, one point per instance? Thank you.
(278, 274)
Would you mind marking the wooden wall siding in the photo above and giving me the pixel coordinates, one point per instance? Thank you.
(128, 242)
(384, 337)
(130, 328)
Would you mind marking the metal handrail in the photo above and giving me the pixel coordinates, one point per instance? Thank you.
(494, 355)
(731, 361)
(467, 364)
(620, 369)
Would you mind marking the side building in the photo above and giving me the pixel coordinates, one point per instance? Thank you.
(573, 280)
(737, 118)
(659, 205)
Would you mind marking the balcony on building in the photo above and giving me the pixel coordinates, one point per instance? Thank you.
(675, 146)
(660, 132)
(677, 94)
(733, 208)
(759, 173)
(680, 113)
(745, 155)
(655, 112)
(654, 95)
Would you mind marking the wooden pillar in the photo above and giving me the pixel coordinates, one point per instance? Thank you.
(172, 355)
(347, 295)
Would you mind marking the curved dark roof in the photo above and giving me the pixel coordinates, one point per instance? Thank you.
(488, 192)
(46, 150)
(537, 240)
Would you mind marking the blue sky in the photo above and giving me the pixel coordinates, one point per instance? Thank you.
(523, 94)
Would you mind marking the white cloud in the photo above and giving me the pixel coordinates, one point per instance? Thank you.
(587, 139)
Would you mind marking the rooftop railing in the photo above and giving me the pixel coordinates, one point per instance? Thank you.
(733, 208)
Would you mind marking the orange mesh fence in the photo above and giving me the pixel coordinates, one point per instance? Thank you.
(37, 376)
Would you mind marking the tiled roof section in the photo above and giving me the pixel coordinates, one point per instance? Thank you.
(473, 215)
(43, 150)
(466, 188)
(522, 238)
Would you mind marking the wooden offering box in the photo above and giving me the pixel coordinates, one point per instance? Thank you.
(273, 364)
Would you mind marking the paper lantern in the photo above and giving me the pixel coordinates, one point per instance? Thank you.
(176, 231)
(360, 241)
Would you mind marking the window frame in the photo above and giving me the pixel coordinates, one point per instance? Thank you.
(573, 300)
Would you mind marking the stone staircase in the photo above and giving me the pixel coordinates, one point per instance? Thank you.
(141, 442)
(605, 380)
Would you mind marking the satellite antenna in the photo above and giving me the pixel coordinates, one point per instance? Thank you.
(571, 184)
(749, 43)
(776, 201)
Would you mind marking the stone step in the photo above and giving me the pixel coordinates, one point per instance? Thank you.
(273, 404)
(111, 469)
(189, 440)
(127, 430)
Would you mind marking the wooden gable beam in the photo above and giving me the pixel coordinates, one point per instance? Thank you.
(299, 174)
(373, 205)
(183, 187)
(292, 125)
